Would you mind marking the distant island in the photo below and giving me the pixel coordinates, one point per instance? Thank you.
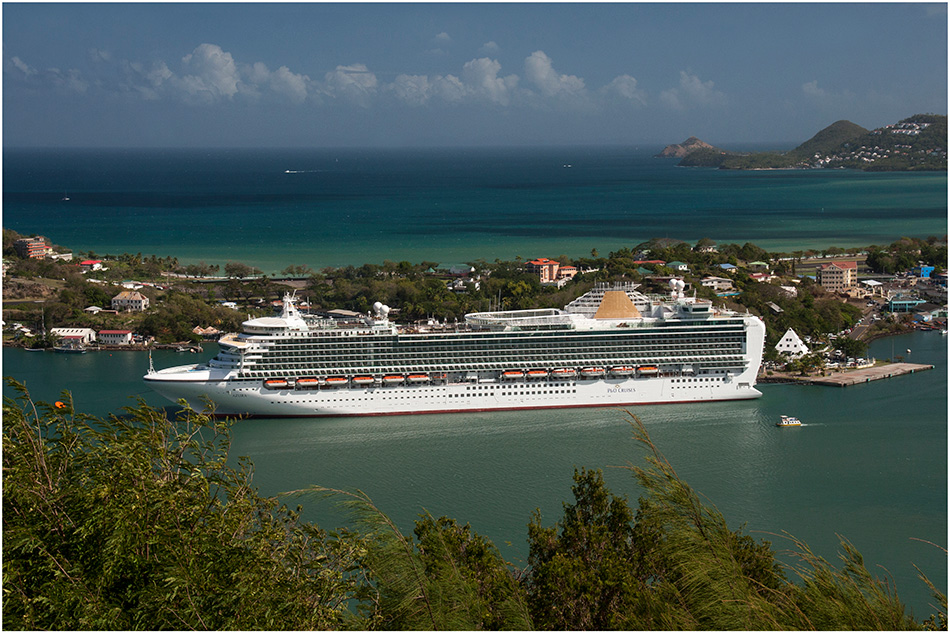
(918, 143)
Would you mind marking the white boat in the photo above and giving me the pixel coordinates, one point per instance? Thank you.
(787, 420)
(473, 366)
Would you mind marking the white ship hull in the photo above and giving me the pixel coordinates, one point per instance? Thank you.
(197, 387)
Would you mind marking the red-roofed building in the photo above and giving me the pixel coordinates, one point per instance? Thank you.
(115, 337)
(545, 268)
(838, 276)
(91, 264)
(32, 247)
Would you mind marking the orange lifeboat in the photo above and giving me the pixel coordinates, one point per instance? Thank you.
(621, 371)
(418, 378)
(563, 373)
(337, 381)
(592, 372)
(394, 379)
(307, 383)
(648, 370)
(362, 380)
(513, 374)
(275, 383)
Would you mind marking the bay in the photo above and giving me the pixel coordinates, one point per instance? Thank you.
(870, 462)
(274, 208)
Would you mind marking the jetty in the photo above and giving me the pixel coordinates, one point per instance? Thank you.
(868, 374)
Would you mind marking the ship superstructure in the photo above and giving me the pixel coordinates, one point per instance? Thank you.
(612, 347)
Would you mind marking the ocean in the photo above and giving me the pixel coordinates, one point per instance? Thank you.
(276, 208)
(869, 462)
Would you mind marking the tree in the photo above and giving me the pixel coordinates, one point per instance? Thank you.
(239, 270)
(139, 522)
(586, 570)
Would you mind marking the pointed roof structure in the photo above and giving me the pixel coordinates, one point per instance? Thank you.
(792, 345)
(616, 305)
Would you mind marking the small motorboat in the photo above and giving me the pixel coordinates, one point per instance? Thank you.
(787, 420)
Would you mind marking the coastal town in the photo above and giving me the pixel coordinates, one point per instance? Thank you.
(75, 305)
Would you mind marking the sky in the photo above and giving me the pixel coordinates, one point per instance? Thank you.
(459, 74)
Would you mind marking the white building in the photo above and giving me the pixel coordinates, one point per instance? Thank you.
(792, 345)
(130, 300)
(86, 335)
(719, 284)
(115, 337)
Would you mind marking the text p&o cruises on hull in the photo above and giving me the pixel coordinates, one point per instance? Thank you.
(613, 346)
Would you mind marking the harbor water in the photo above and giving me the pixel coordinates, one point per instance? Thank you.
(869, 462)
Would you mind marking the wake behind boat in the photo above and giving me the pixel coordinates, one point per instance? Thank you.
(614, 346)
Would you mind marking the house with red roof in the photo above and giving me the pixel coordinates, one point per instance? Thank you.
(115, 337)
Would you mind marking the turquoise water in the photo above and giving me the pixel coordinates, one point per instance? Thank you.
(870, 462)
(341, 207)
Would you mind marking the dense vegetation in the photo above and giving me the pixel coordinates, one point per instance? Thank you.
(142, 522)
(419, 291)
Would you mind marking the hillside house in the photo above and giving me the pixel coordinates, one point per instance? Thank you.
(130, 301)
(32, 247)
(838, 276)
(718, 284)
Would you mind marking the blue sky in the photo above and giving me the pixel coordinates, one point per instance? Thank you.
(454, 74)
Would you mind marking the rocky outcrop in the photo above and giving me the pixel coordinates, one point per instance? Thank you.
(679, 150)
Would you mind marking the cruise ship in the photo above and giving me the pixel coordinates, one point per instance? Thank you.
(613, 346)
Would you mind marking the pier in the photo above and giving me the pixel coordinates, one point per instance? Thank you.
(859, 376)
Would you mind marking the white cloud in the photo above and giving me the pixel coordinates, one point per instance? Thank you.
(354, 82)
(443, 37)
(258, 79)
(625, 87)
(811, 89)
(540, 71)
(412, 89)
(22, 67)
(213, 74)
(481, 79)
(692, 91)
(490, 47)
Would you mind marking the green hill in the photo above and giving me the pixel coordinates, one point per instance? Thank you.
(915, 143)
(829, 139)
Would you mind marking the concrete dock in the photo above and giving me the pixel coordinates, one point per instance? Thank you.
(858, 376)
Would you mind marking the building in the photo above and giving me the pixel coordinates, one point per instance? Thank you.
(83, 334)
(130, 301)
(679, 266)
(923, 271)
(32, 247)
(545, 268)
(792, 345)
(838, 276)
(566, 272)
(115, 337)
(719, 284)
(90, 264)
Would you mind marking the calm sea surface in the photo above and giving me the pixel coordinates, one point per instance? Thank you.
(870, 462)
(321, 208)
